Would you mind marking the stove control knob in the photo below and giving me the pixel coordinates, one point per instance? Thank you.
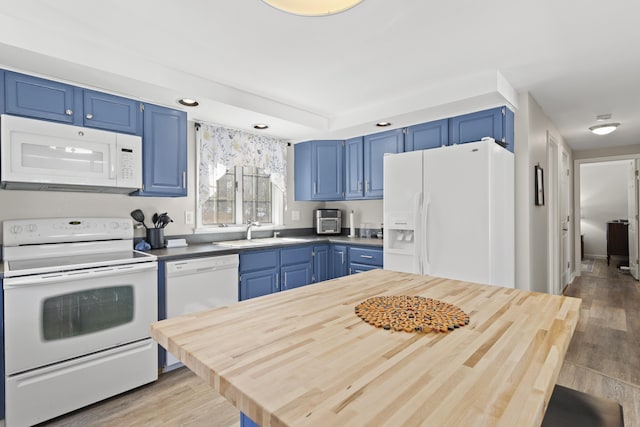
(32, 228)
(114, 225)
(16, 229)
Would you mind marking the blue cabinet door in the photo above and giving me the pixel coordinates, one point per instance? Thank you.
(339, 261)
(354, 168)
(369, 256)
(38, 98)
(2, 98)
(320, 263)
(246, 421)
(496, 123)
(164, 152)
(294, 276)
(258, 283)
(355, 268)
(113, 113)
(327, 170)
(375, 147)
(319, 170)
(427, 135)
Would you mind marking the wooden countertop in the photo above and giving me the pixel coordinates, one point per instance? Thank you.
(303, 358)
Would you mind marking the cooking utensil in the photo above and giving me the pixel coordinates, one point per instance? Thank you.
(164, 220)
(154, 219)
(138, 215)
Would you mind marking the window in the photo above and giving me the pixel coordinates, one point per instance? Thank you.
(243, 194)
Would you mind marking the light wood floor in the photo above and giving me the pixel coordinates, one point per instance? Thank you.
(604, 355)
(603, 360)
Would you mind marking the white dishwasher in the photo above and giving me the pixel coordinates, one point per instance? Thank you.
(200, 284)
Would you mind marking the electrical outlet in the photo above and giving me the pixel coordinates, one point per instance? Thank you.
(295, 215)
(188, 217)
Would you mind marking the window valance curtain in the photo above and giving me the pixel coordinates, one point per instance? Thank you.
(221, 148)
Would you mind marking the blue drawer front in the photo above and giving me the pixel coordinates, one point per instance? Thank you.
(290, 256)
(258, 260)
(367, 256)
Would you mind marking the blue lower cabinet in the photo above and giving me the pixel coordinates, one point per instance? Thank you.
(296, 266)
(364, 259)
(338, 261)
(247, 422)
(320, 263)
(259, 272)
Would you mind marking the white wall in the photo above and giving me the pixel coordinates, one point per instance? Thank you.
(603, 197)
(364, 211)
(532, 222)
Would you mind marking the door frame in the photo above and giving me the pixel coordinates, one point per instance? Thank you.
(576, 199)
(554, 233)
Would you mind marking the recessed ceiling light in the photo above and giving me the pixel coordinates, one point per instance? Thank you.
(188, 102)
(383, 124)
(260, 126)
(604, 129)
(313, 7)
(603, 117)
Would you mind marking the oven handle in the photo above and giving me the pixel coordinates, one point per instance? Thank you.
(68, 276)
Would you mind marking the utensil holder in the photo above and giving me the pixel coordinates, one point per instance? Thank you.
(155, 238)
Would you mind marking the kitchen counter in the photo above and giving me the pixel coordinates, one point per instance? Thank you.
(302, 357)
(217, 248)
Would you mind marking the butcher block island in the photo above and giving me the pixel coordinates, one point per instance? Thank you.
(304, 358)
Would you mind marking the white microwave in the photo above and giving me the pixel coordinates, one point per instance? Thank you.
(42, 155)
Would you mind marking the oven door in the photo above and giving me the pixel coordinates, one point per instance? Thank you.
(58, 316)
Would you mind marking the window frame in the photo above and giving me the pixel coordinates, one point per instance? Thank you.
(277, 210)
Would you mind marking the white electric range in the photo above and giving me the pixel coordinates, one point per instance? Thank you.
(78, 301)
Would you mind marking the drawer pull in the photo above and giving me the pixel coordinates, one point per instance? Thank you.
(366, 256)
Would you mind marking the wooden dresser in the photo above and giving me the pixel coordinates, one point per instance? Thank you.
(617, 239)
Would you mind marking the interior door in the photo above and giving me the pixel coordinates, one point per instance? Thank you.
(632, 206)
(565, 218)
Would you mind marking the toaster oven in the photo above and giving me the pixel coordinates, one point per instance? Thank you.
(327, 221)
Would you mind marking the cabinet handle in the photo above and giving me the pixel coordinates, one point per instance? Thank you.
(285, 280)
(342, 258)
(315, 187)
(89, 116)
(68, 112)
(366, 256)
(277, 282)
(359, 185)
(184, 179)
(367, 186)
(350, 272)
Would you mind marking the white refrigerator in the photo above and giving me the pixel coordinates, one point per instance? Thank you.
(449, 212)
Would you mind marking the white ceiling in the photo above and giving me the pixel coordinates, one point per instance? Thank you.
(406, 61)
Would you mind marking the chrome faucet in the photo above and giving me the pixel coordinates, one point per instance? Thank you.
(249, 226)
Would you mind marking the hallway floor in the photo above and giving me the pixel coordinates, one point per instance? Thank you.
(604, 355)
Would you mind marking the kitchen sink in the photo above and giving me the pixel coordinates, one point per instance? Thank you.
(244, 243)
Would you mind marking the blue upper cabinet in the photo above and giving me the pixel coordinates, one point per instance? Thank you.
(164, 152)
(2, 110)
(318, 170)
(354, 168)
(497, 123)
(427, 135)
(110, 112)
(38, 98)
(375, 147)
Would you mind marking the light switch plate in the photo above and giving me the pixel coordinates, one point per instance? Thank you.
(188, 217)
(295, 215)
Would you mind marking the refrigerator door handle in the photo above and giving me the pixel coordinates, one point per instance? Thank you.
(425, 241)
(418, 238)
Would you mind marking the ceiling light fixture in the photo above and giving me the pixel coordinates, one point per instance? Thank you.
(604, 129)
(188, 102)
(260, 126)
(383, 124)
(313, 7)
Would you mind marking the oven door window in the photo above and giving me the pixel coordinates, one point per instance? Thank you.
(87, 311)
